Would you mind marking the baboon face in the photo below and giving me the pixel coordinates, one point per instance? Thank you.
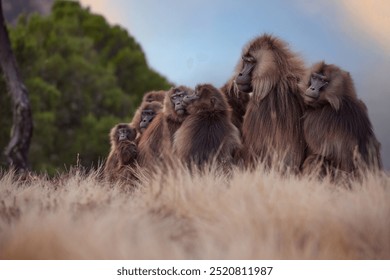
(266, 61)
(149, 111)
(124, 132)
(244, 77)
(318, 84)
(147, 116)
(177, 100)
(257, 59)
(327, 84)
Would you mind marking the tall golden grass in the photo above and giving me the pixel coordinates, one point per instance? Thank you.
(177, 214)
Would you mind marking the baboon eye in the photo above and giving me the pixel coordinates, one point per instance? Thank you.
(248, 58)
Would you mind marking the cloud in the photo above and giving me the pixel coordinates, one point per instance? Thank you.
(371, 17)
(363, 20)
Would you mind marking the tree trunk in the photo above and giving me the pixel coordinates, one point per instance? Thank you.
(22, 126)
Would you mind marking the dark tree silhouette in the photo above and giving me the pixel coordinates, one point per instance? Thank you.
(22, 126)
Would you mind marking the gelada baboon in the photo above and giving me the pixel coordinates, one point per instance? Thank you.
(272, 127)
(152, 142)
(155, 143)
(146, 113)
(337, 129)
(123, 151)
(149, 97)
(207, 134)
(238, 101)
(174, 108)
(154, 96)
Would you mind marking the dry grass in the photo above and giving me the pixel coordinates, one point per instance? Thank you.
(175, 215)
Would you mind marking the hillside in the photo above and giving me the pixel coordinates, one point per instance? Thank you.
(83, 76)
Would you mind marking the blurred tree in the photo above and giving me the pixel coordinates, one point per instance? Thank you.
(21, 132)
(84, 76)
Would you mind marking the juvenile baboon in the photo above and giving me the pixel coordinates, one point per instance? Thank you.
(123, 151)
(155, 142)
(152, 141)
(174, 108)
(149, 97)
(238, 101)
(337, 129)
(148, 113)
(145, 114)
(272, 127)
(207, 133)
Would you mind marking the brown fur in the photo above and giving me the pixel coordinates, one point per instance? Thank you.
(272, 126)
(152, 142)
(149, 97)
(207, 133)
(155, 143)
(123, 152)
(337, 128)
(157, 107)
(172, 119)
(237, 100)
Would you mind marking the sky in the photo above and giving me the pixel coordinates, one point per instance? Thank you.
(200, 41)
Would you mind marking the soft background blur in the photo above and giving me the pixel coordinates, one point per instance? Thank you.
(200, 41)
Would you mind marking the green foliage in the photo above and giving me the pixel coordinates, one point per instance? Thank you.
(83, 77)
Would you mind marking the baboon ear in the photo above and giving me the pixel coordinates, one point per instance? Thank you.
(334, 101)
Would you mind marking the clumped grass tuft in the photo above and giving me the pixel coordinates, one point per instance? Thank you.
(182, 214)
